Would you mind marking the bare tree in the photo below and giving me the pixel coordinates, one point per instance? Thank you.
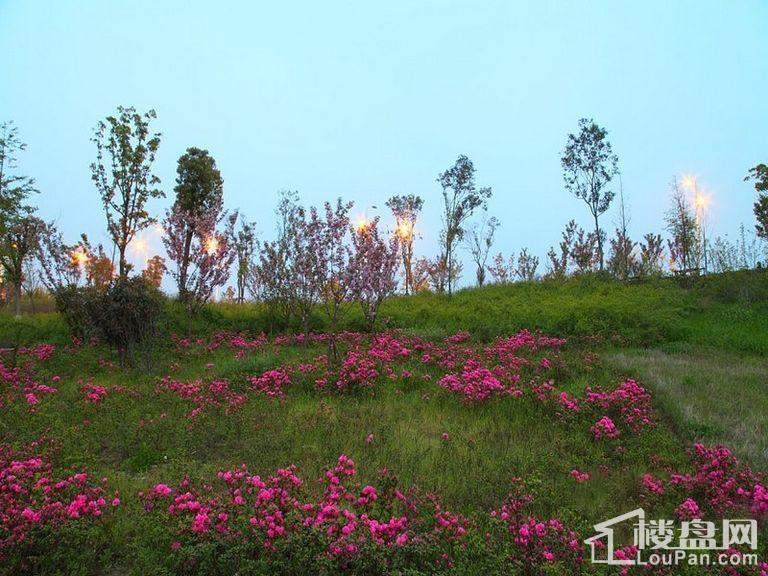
(479, 244)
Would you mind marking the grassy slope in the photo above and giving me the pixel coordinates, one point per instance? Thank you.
(701, 351)
(712, 396)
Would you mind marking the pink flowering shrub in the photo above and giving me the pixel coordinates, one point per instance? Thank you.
(31, 499)
(20, 383)
(536, 543)
(630, 403)
(605, 428)
(93, 393)
(215, 394)
(272, 383)
(274, 511)
(723, 483)
(358, 370)
(475, 383)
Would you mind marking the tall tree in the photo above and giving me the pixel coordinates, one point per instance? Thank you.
(122, 173)
(461, 198)
(372, 269)
(245, 245)
(406, 210)
(199, 189)
(681, 225)
(760, 175)
(589, 165)
(14, 188)
(18, 243)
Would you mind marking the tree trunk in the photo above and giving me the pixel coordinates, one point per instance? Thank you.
(17, 299)
(599, 242)
(184, 265)
(123, 263)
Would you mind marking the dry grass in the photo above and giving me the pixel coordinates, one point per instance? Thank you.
(710, 395)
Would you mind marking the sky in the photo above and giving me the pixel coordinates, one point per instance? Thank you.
(365, 100)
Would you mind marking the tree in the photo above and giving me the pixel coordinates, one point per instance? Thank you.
(501, 271)
(479, 244)
(526, 266)
(98, 267)
(725, 255)
(461, 198)
(372, 268)
(245, 246)
(406, 210)
(211, 254)
(651, 256)
(760, 175)
(622, 263)
(272, 280)
(558, 263)
(434, 274)
(681, 225)
(584, 251)
(326, 262)
(122, 173)
(17, 244)
(199, 190)
(14, 189)
(155, 270)
(589, 165)
(60, 263)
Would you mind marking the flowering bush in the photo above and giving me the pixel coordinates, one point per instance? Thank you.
(537, 543)
(272, 383)
(217, 393)
(271, 512)
(605, 428)
(32, 499)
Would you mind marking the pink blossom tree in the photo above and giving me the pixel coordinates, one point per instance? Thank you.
(211, 252)
(373, 269)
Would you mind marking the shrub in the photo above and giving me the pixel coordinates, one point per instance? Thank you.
(74, 303)
(126, 314)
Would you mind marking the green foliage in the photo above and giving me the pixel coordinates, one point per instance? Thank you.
(73, 303)
(760, 175)
(126, 314)
(122, 173)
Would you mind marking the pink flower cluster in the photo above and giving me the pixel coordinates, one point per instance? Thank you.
(93, 393)
(19, 382)
(347, 516)
(358, 370)
(538, 543)
(605, 428)
(41, 351)
(30, 497)
(217, 393)
(630, 402)
(722, 482)
(475, 383)
(272, 383)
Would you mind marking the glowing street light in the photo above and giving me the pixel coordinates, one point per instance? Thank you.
(361, 224)
(404, 230)
(80, 257)
(211, 245)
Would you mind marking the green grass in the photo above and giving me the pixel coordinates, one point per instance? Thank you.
(700, 350)
(711, 396)
(141, 437)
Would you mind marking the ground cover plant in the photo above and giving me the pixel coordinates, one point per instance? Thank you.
(247, 453)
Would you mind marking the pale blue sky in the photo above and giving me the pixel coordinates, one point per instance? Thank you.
(365, 100)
